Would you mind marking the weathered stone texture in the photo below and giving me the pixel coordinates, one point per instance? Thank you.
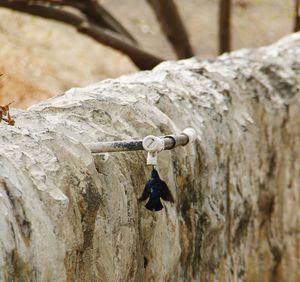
(68, 216)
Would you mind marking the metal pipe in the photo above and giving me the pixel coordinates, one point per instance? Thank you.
(116, 146)
(169, 142)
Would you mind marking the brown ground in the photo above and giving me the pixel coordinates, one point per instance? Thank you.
(41, 58)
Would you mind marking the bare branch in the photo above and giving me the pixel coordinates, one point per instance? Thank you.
(102, 17)
(93, 11)
(297, 16)
(43, 11)
(141, 58)
(224, 26)
(168, 16)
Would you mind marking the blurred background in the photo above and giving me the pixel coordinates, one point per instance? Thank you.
(41, 58)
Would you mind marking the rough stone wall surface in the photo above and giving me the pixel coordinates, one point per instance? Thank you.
(66, 215)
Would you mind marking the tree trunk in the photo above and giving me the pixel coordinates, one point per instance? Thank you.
(68, 215)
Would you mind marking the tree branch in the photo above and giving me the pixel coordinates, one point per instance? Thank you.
(297, 16)
(224, 26)
(93, 11)
(172, 26)
(140, 58)
(43, 11)
(102, 17)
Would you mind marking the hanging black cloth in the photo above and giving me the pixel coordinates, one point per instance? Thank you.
(155, 189)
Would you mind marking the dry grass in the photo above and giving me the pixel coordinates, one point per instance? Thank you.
(41, 58)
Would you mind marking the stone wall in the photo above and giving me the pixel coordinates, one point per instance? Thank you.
(66, 215)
